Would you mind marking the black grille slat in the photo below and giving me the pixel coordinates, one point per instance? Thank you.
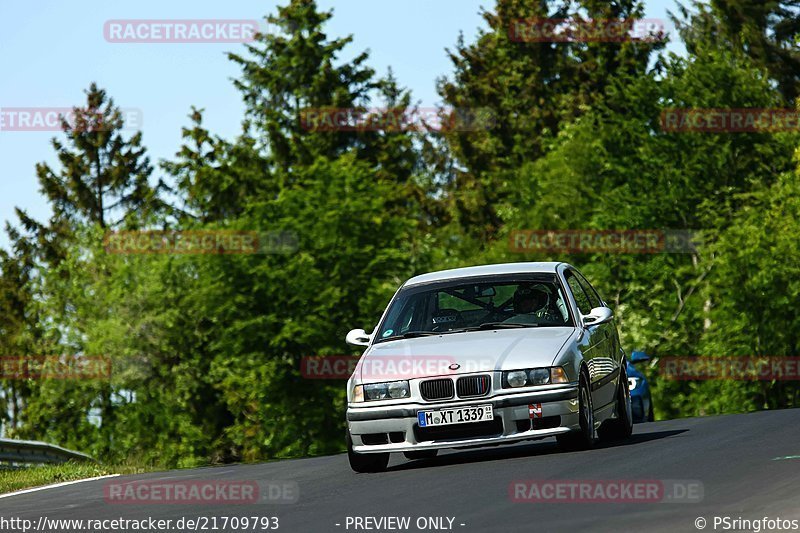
(437, 389)
(473, 386)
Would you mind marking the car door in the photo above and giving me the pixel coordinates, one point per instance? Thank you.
(606, 366)
(595, 344)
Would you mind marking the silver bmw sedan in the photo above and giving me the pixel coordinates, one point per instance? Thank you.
(487, 355)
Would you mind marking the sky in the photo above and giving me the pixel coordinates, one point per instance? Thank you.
(51, 51)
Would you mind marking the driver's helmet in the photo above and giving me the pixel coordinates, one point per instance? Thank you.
(530, 299)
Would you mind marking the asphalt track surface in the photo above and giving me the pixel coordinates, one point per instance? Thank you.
(748, 465)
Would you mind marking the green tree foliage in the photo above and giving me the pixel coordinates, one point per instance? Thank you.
(19, 325)
(102, 182)
(214, 179)
(532, 88)
(102, 174)
(764, 30)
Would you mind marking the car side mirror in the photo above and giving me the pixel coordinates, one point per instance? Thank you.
(357, 337)
(639, 357)
(598, 315)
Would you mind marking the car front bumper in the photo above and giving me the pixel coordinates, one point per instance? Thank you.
(395, 429)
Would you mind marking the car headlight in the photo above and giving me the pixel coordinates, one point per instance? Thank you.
(399, 389)
(394, 390)
(517, 378)
(633, 383)
(376, 391)
(534, 376)
(539, 376)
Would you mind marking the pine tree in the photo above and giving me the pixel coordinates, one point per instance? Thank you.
(287, 73)
(214, 178)
(103, 177)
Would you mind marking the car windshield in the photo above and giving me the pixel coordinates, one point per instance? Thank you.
(473, 305)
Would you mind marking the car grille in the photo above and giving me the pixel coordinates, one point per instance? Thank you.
(472, 386)
(437, 389)
(491, 428)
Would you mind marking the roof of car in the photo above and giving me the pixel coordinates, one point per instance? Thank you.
(485, 270)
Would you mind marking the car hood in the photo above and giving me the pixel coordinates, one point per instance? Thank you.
(460, 353)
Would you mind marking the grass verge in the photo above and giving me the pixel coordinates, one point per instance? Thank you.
(35, 476)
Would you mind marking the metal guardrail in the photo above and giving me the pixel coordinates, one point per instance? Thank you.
(31, 451)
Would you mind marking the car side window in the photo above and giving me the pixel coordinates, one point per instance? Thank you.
(584, 306)
(594, 298)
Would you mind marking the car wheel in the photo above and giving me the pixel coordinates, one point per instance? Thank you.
(621, 427)
(584, 437)
(650, 417)
(421, 454)
(366, 462)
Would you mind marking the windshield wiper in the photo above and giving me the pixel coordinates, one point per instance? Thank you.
(486, 325)
(499, 325)
(411, 335)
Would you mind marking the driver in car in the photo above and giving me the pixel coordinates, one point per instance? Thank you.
(530, 305)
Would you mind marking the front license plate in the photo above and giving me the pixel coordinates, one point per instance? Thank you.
(458, 415)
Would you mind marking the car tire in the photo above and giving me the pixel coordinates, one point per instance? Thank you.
(650, 417)
(421, 454)
(619, 428)
(365, 463)
(583, 438)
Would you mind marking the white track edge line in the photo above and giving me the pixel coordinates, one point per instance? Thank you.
(55, 486)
